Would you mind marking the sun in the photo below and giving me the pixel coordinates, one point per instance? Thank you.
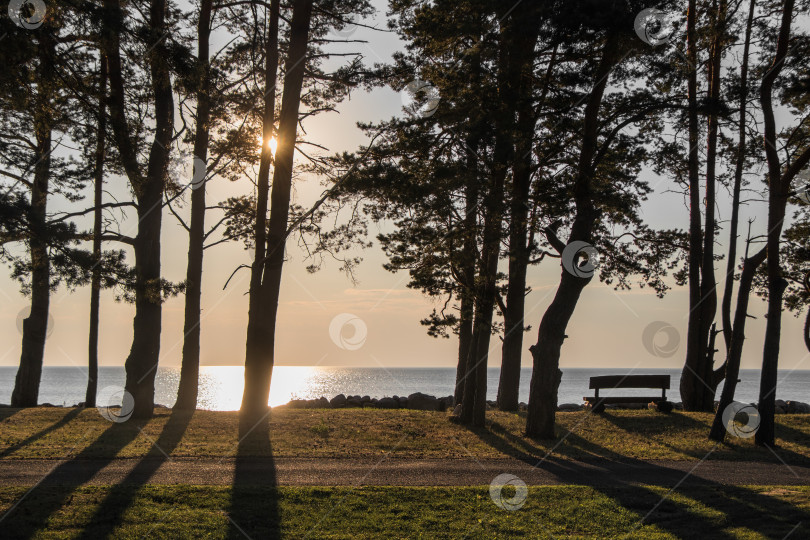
(272, 144)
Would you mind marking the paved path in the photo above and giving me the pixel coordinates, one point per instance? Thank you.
(408, 472)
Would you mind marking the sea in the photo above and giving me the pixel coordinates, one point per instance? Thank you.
(221, 386)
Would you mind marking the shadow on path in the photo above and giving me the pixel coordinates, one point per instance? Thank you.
(32, 511)
(119, 498)
(254, 512)
(739, 507)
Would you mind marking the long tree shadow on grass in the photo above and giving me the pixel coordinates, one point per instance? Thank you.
(254, 512)
(120, 496)
(70, 415)
(739, 507)
(32, 511)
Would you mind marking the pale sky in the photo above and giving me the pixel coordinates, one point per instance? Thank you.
(605, 331)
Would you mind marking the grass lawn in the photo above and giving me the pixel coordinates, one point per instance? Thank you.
(400, 512)
(639, 434)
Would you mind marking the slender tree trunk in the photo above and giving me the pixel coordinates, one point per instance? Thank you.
(259, 357)
(35, 326)
(778, 188)
(513, 316)
(95, 280)
(190, 367)
(254, 328)
(546, 374)
(738, 175)
(750, 265)
(142, 362)
(691, 386)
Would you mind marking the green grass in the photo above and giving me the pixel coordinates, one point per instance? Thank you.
(399, 512)
(58, 433)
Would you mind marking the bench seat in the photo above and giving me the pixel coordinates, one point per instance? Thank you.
(633, 399)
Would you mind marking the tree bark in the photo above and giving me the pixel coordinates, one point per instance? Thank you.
(259, 354)
(725, 308)
(778, 188)
(35, 326)
(142, 362)
(95, 280)
(750, 265)
(190, 367)
(513, 316)
(692, 387)
(546, 374)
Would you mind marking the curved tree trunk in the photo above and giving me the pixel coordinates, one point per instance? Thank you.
(35, 326)
(750, 265)
(546, 374)
(778, 188)
(142, 362)
(95, 280)
(259, 354)
(190, 367)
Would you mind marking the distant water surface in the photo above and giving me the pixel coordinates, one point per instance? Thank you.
(221, 386)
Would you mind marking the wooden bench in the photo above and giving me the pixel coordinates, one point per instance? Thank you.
(627, 381)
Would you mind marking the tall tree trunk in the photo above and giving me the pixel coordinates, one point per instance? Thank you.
(750, 265)
(546, 374)
(263, 184)
(190, 367)
(259, 354)
(467, 271)
(738, 175)
(142, 362)
(95, 280)
(35, 326)
(513, 316)
(778, 188)
(691, 386)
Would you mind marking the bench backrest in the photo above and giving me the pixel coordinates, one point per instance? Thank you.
(630, 381)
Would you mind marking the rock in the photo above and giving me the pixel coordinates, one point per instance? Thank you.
(388, 403)
(354, 401)
(678, 406)
(299, 404)
(338, 401)
(780, 403)
(664, 407)
(569, 407)
(422, 402)
(797, 407)
(522, 406)
(457, 411)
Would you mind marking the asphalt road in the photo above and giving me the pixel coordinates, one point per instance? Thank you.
(396, 472)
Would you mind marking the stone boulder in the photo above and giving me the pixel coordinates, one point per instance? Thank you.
(797, 407)
(388, 403)
(354, 401)
(338, 401)
(423, 402)
(569, 407)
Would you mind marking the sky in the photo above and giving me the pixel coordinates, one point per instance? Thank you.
(325, 319)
